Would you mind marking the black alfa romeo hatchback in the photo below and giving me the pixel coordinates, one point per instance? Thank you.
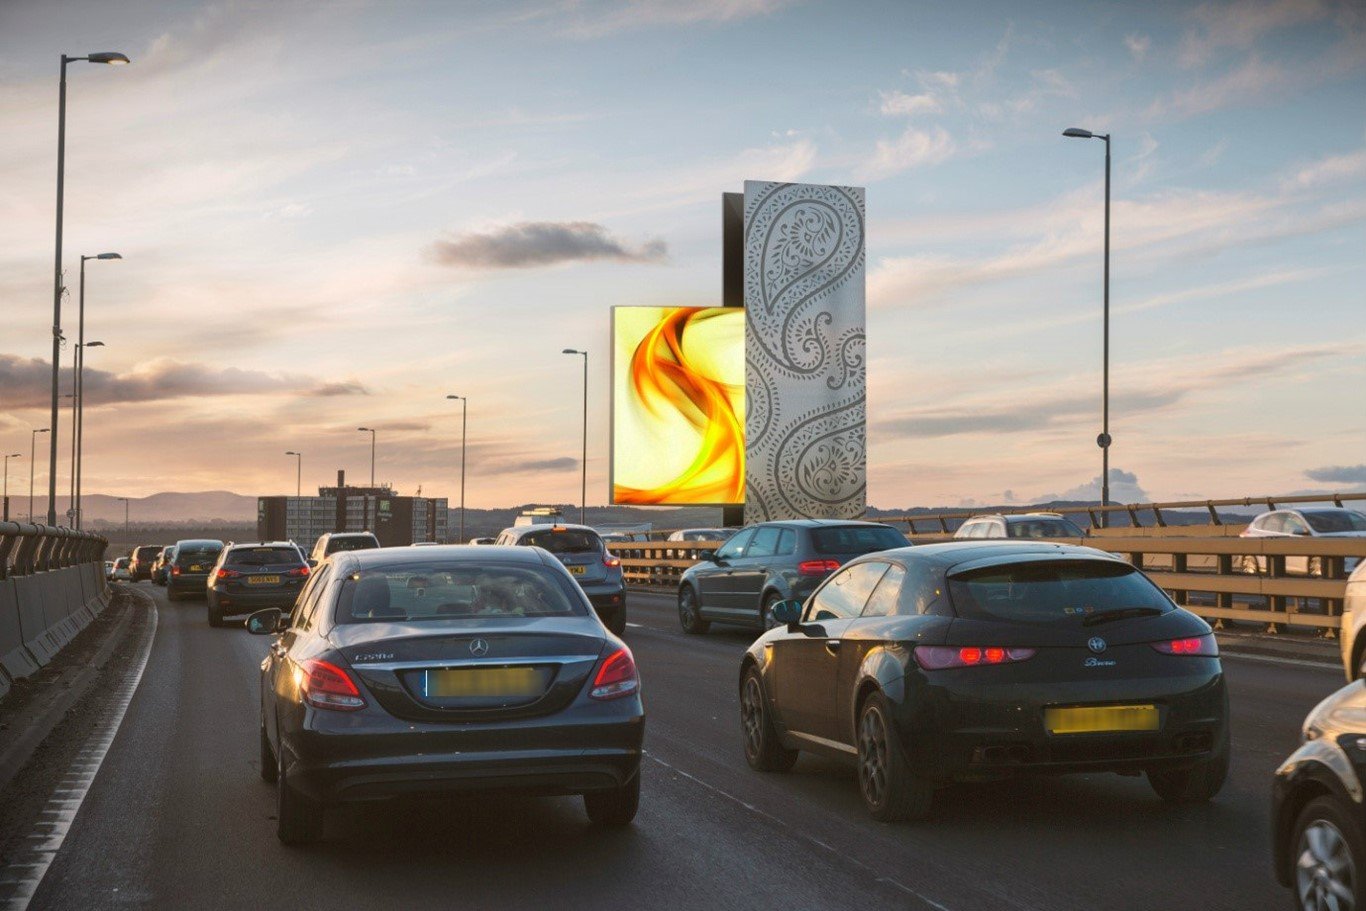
(979, 660)
(416, 671)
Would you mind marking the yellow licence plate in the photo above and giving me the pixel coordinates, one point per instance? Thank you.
(1097, 719)
(492, 681)
(263, 580)
(196, 569)
(578, 570)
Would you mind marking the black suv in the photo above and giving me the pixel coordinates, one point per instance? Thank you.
(771, 562)
(194, 558)
(249, 577)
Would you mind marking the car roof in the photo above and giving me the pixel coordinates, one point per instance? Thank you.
(818, 523)
(966, 553)
(237, 544)
(563, 526)
(443, 554)
(349, 534)
(199, 541)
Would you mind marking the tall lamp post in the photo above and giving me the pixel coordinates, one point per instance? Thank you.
(17, 455)
(32, 452)
(371, 431)
(298, 473)
(583, 491)
(125, 515)
(100, 57)
(464, 403)
(1104, 440)
(78, 428)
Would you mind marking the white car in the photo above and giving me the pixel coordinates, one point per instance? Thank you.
(1353, 619)
(1308, 522)
(120, 571)
(703, 534)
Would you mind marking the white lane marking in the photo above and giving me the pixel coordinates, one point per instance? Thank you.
(1290, 662)
(636, 625)
(35, 860)
(798, 834)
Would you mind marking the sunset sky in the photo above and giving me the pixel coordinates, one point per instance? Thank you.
(333, 214)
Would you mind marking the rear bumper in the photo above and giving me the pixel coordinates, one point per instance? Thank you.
(245, 602)
(184, 584)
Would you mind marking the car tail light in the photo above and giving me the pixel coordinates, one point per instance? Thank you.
(326, 686)
(616, 677)
(298, 571)
(817, 567)
(175, 570)
(1203, 646)
(610, 561)
(939, 657)
(228, 574)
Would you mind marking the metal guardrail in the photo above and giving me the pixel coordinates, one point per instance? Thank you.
(1242, 579)
(26, 549)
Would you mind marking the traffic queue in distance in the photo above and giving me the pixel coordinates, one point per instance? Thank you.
(998, 654)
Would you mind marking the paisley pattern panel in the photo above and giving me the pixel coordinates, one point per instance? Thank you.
(805, 363)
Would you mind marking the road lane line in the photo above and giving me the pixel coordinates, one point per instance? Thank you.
(1289, 662)
(797, 833)
(36, 860)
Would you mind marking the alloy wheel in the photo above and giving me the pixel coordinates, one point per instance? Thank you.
(752, 716)
(1325, 877)
(872, 751)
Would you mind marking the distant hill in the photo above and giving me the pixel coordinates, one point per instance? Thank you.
(210, 506)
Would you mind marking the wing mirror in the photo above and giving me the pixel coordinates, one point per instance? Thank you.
(788, 612)
(265, 622)
(707, 556)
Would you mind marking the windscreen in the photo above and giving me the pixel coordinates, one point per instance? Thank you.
(1328, 521)
(1053, 592)
(354, 542)
(565, 541)
(147, 553)
(263, 556)
(438, 593)
(1042, 528)
(196, 553)
(853, 540)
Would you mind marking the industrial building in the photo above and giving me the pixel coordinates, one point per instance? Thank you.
(395, 520)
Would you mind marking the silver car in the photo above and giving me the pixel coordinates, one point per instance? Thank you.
(583, 553)
(1308, 522)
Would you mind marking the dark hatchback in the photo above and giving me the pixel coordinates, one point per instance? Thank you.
(189, 571)
(771, 562)
(1318, 822)
(440, 669)
(973, 661)
(248, 577)
(140, 567)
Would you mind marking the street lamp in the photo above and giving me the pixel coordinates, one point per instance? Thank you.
(299, 473)
(371, 431)
(111, 57)
(583, 494)
(78, 425)
(32, 451)
(464, 407)
(16, 455)
(125, 515)
(1104, 440)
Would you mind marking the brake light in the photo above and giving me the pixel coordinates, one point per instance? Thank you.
(817, 567)
(939, 657)
(228, 574)
(298, 571)
(1203, 646)
(175, 570)
(616, 677)
(326, 686)
(610, 561)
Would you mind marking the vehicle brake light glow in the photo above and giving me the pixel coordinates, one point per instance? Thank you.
(1202, 646)
(617, 676)
(610, 561)
(326, 686)
(817, 567)
(228, 574)
(298, 571)
(939, 657)
(175, 570)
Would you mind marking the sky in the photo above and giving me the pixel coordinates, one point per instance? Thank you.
(333, 215)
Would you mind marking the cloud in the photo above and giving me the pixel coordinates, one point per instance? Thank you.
(596, 18)
(1138, 45)
(1124, 488)
(913, 148)
(542, 243)
(347, 387)
(1337, 474)
(899, 104)
(1252, 81)
(564, 463)
(1239, 25)
(1332, 169)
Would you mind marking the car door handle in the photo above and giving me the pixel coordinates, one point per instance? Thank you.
(832, 646)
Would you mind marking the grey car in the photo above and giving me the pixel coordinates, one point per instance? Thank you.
(1020, 525)
(189, 571)
(771, 562)
(583, 553)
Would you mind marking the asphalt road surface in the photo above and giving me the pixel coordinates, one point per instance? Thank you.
(177, 817)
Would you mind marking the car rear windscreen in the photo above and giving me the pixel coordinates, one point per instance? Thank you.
(196, 553)
(1053, 592)
(358, 542)
(565, 541)
(148, 552)
(1042, 528)
(852, 540)
(1328, 521)
(262, 556)
(435, 592)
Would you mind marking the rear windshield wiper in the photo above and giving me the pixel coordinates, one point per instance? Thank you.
(1122, 613)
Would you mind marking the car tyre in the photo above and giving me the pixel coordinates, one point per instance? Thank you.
(764, 750)
(891, 790)
(689, 613)
(1329, 857)
(215, 615)
(766, 610)
(270, 770)
(299, 819)
(1195, 784)
(614, 807)
(616, 621)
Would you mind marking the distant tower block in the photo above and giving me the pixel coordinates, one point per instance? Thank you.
(805, 363)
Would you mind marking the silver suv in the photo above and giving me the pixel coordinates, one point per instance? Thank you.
(1020, 525)
(333, 541)
(583, 553)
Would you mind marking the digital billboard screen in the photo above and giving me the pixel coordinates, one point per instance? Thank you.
(678, 406)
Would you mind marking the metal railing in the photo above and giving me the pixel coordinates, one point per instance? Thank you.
(26, 549)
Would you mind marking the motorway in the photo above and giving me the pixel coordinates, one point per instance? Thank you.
(177, 817)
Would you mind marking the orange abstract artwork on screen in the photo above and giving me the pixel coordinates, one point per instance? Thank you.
(678, 405)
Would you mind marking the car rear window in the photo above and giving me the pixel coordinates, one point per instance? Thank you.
(262, 556)
(1042, 528)
(147, 553)
(1327, 521)
(1053, 592)
(565, 541)
(352, 542)
(851, 540)
(196, 553)
(451, 593)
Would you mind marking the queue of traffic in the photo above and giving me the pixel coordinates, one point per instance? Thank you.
(409, 670)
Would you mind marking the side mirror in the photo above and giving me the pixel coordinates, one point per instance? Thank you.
(708, 556)
(788, 612)
(312, 562)
(264, 622)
